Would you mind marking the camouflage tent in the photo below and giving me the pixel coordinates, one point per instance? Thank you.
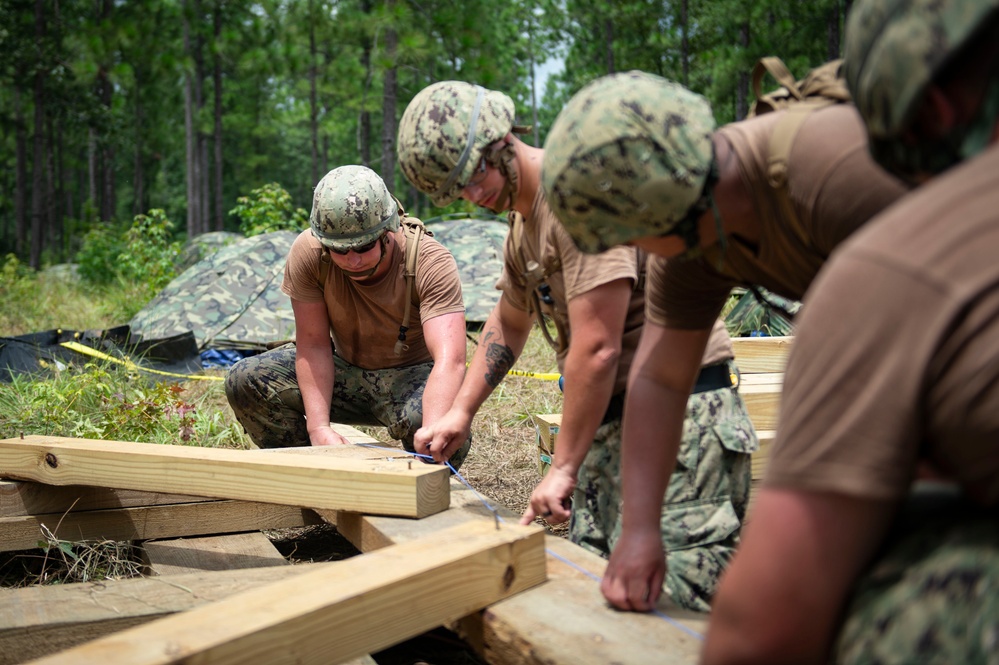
(204, 245)
(477, 247)
(229, 300)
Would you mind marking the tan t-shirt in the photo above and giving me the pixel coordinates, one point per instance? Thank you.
(896, 356)
(365, 318)
(834, 186)
(545, 241)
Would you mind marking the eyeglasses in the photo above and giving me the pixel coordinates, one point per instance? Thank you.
(479, 174)
(357, 250)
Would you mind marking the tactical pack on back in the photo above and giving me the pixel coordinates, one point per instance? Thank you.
(823, 86)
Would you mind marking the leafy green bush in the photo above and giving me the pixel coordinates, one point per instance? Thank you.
(98, 257)
(141, 257)
(149, 253)
(268, 208)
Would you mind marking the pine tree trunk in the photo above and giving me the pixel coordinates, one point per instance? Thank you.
(313, 103)
(138, 206)
(219, 221)
(742, 89)
(190, 143)
(685, 41)
(388, 106)
(832, 32)
(20, 174)
(609, 44)
(38, 142)
(364, 119)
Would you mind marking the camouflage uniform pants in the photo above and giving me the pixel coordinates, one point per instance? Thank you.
(705, 501)
(264, 394)
(933, 595)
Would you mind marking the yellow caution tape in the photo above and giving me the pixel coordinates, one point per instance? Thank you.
(86, 350)
(544, 376)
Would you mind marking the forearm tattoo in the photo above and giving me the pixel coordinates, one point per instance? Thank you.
(499, 360)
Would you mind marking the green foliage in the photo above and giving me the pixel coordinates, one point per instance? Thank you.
(98, 257)
(268, 208)
(142, 257)
(107, 402)
(149, 254)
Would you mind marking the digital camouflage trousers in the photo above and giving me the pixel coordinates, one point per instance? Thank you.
(705, 501)
(932, 596)
(264, 394)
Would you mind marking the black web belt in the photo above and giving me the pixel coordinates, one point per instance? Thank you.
(712, 377)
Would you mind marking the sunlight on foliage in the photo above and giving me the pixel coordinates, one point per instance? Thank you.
(268, 208)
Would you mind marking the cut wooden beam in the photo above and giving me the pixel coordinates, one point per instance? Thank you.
(762, 402)
(761, 354)
(41, 620)
(383, 487)
(528, 629)
(18, 498)
(186, 519)
(330, 615)
(188, 555)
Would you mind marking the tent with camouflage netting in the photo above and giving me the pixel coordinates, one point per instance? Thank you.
(477, 247)
(230, 300)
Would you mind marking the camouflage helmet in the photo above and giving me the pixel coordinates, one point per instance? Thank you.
(443, 132)
(893, 50)
(351, 207)
(627, 157)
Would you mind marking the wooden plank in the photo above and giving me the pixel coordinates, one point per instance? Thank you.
(186, 519)
(762, 403)
(384, 487)
(18, 498)
(759, 459)
(566, 621)
(528, 629)
(329, 615)
(761, 354)
(41, 620)
(188, 555)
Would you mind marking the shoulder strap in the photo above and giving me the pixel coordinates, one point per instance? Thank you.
(823, 86)
(414, 230)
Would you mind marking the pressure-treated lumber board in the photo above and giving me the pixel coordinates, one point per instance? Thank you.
(187, 555)
(566, 621)
(762, 402)
(761, 354)
(18, 498)
(385, 487)
(528, 631)
(759, 459)
(329, 615)
(37, 621)
(185, 519)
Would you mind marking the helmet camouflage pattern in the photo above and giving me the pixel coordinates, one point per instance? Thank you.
(894, 49)
(443, 132)
(627, 157)
(351, 206)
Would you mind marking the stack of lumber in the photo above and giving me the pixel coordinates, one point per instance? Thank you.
(761, 362)
(433, 554)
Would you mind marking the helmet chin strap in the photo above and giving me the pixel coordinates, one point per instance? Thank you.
(502, 160)
(368, 273)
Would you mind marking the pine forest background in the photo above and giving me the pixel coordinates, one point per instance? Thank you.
(112, 108)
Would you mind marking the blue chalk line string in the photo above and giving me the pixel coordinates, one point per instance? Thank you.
(673, 622)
